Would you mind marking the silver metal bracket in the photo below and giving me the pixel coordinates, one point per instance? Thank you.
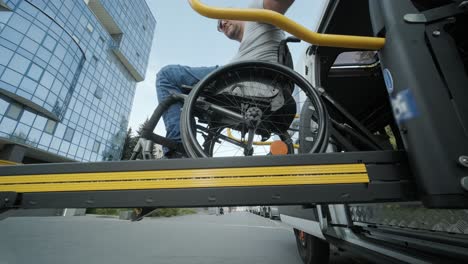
(436, 14)
(415, 18)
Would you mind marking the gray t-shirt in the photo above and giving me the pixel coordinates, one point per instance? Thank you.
(260, 40)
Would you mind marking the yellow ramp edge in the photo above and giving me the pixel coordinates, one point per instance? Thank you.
(7, 163)
(193, 178)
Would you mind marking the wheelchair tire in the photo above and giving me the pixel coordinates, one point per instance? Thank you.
(251, 75)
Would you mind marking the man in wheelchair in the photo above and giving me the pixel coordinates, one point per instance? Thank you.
(258, 42)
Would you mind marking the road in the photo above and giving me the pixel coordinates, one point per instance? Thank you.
(238, 237)
(201, 238)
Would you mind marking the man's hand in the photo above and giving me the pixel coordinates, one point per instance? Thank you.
(280, 6)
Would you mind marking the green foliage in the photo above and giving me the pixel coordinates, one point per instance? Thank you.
(163, 212)
(168, 212)
(140, 128)
(129, 144)
(105, 211)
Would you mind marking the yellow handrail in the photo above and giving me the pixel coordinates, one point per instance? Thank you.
(288, 25)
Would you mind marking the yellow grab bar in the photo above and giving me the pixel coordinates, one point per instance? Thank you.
(288, 25)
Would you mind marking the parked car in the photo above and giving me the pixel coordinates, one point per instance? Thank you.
(265, 211)
(274, 213)
(256, 210)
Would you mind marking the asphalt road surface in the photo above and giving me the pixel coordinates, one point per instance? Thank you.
(238, 237)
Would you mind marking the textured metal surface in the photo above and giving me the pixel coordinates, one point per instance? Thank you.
(413, 216)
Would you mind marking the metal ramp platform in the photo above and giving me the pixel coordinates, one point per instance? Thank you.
(269, 180)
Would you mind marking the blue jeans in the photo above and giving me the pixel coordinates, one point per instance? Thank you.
(169, 81)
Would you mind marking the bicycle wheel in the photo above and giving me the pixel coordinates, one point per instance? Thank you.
(256, 101)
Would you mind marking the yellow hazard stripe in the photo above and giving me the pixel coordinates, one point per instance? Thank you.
(186, 183)
(192, 173)
(194, 178)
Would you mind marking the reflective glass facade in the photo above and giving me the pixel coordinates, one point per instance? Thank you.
(68, 71)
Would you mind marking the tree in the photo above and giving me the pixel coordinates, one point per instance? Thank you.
(140, 128)
(129, 144)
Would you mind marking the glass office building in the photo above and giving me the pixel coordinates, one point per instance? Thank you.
(68, 72)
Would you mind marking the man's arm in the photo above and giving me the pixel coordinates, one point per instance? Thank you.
(280, 6)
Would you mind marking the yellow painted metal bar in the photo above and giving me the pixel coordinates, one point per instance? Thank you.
(192, 173)
(288, 25)
(195, 178)
(7, 163)
(186, 183)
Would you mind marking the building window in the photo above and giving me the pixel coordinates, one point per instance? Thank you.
(3, 105)
(98, 93)
(69, 132)
(94, 61)
(35, 72)
(14, 111)
(76, 39)
(50, 127)
(96, 146)
(90, 28)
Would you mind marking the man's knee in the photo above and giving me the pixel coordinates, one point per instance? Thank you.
(169, 72)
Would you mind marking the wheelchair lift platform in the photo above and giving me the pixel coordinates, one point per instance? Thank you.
(363, 177)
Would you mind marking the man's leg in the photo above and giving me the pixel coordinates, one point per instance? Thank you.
(169, 81)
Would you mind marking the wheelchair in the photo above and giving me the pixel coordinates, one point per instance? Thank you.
(246, 108)
(239, 110)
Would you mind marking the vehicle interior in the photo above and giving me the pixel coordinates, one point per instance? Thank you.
(355, 79)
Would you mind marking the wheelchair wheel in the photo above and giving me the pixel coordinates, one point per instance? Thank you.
(240, 108)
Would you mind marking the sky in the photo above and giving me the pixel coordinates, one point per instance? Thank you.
(184, 37)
